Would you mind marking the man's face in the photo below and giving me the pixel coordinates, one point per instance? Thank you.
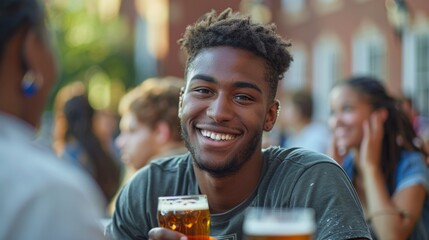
(225, 108)
(136, 141)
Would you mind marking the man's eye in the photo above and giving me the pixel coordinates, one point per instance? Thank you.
(202, 90)
(243, 98)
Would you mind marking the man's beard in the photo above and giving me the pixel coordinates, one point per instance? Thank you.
(232, 165)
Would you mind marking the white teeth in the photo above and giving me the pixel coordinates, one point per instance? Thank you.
(217, 136)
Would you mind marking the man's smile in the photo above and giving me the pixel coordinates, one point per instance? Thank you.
(217, 136)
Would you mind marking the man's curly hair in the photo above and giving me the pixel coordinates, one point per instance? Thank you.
(235, 30)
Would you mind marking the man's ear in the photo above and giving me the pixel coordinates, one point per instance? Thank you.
(179, 113)
(272, 115)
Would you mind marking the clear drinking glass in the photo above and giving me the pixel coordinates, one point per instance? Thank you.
(189, 215)
(279, 224)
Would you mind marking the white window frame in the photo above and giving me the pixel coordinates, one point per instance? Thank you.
(146, 64)
(369, 54)
(415, 79)
(295, 77)
(293, 6)
(327, 55)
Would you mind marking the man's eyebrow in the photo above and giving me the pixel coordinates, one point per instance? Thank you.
(204, 78)
(237, 84)
(247, 85)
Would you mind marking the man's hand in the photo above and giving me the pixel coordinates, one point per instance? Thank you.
(165, 234)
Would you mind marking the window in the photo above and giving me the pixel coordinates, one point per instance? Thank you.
(369, 54)
(327, 1)
(147, 64)
(415, 80)
(293, 6)
(295, 77)
(326, 71)
(324, 7)
(422, 73)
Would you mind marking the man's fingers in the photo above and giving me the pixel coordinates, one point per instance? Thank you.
(165, 234)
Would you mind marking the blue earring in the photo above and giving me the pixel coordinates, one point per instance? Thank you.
(29, 86)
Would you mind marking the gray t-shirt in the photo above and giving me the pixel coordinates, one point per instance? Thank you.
(290, 178)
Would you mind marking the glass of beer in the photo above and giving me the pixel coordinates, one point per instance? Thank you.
(279, 224)
(189, 215)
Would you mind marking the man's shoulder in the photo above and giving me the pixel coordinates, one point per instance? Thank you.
(296, 155)
(165, 166)
(171, 162)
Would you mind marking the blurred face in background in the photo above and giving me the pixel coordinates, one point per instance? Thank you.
(105, 125)
(291, 116)
(349, 111)
(136, 141)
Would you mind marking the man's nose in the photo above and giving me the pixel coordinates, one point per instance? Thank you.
(221, 109)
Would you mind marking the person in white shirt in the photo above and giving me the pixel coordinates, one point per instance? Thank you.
(298, 126)
(41, 198)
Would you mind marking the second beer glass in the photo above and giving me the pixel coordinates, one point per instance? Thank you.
(189, 215)
(279, 224)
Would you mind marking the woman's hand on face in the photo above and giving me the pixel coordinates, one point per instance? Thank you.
(165, 234)
(373, 132)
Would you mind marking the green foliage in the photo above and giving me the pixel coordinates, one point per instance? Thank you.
(85, 40)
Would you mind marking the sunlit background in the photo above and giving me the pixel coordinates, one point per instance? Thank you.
(112, 45)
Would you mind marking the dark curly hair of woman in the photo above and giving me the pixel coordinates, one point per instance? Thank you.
(235, 30)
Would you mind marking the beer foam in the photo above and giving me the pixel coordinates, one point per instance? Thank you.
(258, 227)
(183, 205)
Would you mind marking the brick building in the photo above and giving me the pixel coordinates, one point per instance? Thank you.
(332, 39)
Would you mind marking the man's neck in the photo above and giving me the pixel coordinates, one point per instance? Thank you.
(226, 192)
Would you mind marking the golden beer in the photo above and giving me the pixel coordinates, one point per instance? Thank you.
(279, 224)
(189, 215)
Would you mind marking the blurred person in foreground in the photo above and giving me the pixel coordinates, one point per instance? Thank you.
(232, 73)
(76, 140)
(41, 198)
(149, 125)
(298, 126)
(374, 142)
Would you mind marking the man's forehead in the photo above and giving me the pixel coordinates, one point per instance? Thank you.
(219, 59)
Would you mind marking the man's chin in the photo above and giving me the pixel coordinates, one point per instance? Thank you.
(217, 171)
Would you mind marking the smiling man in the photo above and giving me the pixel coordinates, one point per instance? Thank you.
(232, 73)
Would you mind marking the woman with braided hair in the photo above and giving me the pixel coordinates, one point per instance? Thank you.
(228, 101)
(377, 146)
